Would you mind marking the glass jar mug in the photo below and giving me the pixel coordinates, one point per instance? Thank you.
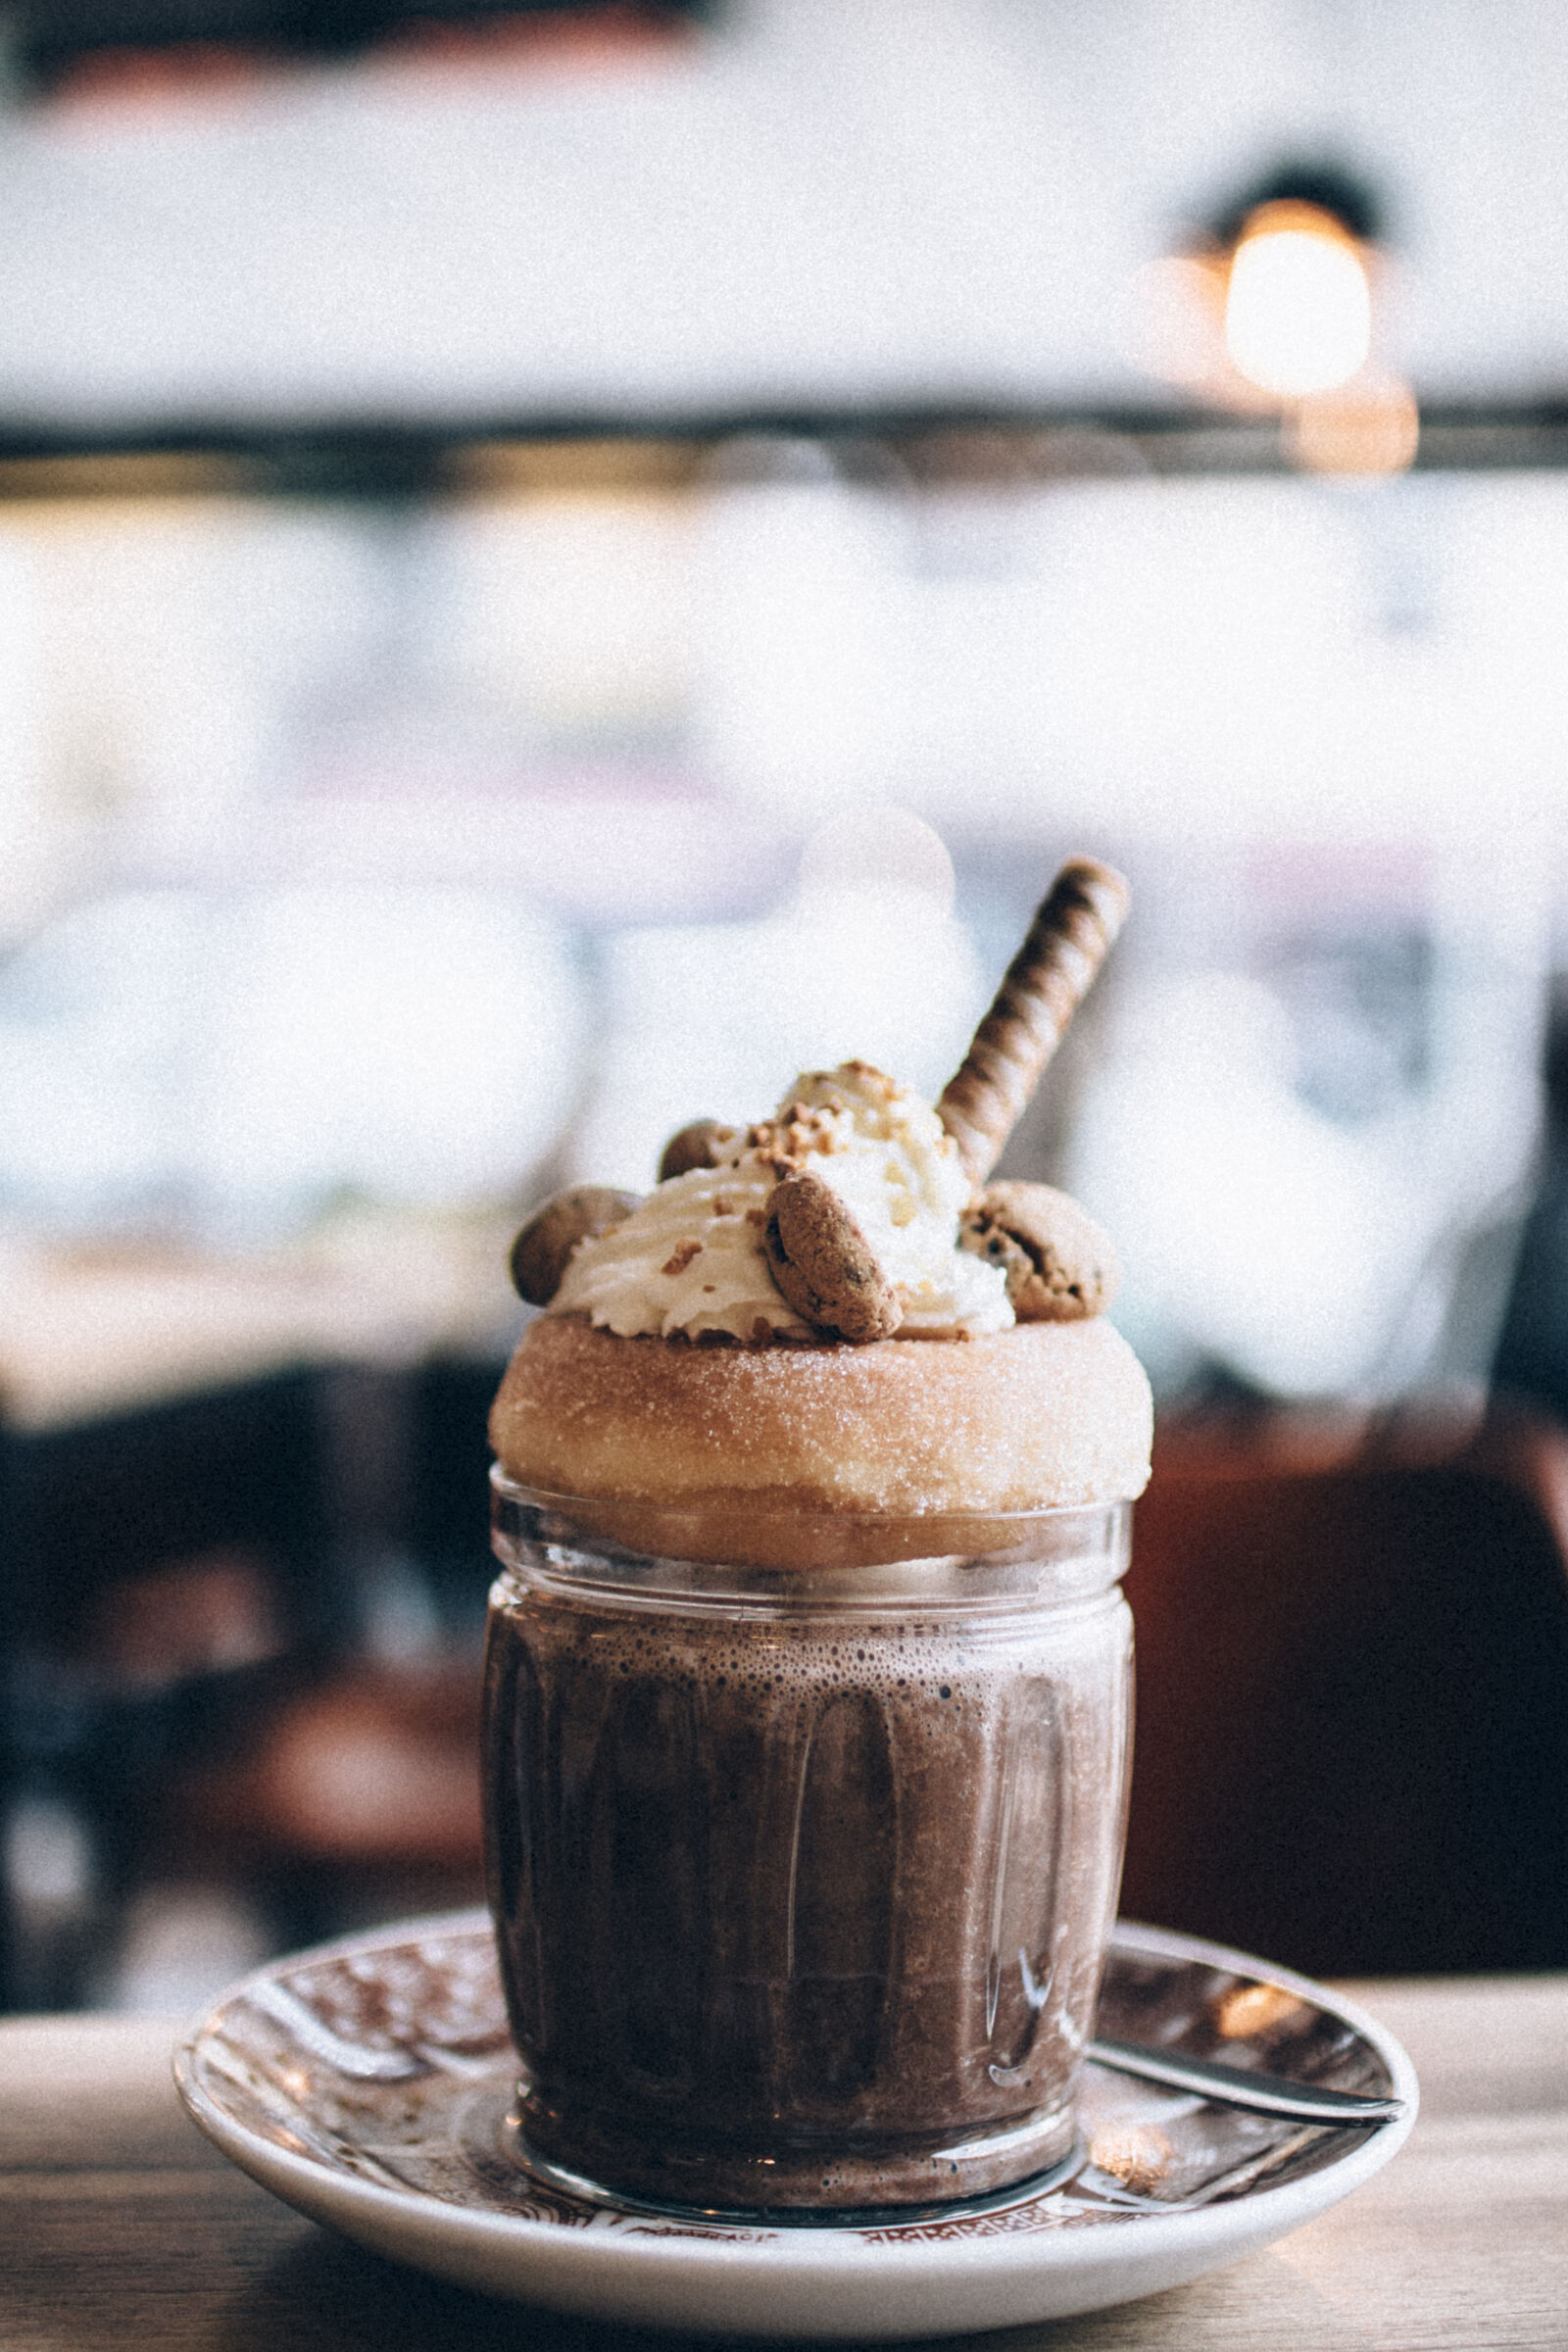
(801, 1877)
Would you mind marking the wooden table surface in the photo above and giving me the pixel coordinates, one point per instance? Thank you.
(119, 2225)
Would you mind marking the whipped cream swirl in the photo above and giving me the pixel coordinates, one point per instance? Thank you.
(691, 1259)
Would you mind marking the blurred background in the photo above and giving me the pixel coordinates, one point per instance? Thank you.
(558, 565)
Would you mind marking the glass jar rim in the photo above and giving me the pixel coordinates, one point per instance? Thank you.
(779, 1538)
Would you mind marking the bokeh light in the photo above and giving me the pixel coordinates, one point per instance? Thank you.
(1299, 307)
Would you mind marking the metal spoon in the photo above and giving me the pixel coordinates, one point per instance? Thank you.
(1239, 2086)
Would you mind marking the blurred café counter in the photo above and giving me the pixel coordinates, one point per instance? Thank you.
(91, 1328)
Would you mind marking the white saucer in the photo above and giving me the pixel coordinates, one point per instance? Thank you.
(368, 2082)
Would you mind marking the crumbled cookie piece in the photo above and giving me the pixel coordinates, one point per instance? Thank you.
(786, 1143)
(704, 1143)
(541, 1251)
(1059, 1265)
(823, 1264)
(681, 1258)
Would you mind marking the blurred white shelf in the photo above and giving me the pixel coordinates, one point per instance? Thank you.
(810, 205)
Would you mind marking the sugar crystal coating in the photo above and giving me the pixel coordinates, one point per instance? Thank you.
(1045, 1415)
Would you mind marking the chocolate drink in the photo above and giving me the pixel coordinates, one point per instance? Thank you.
(802, 1870)
(802, 1888)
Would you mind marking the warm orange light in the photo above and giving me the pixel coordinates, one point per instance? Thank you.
(1249, 2009)
(1298, 304)
(1138, 2155)
(1180, 317)
(1369, 427)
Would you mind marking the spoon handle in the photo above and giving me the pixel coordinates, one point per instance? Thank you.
(1239, 2086)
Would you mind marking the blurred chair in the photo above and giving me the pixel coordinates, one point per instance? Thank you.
(239, 1647)
(448, 1507)
(1352, 1700)
(165, 1573)
(354, 1797)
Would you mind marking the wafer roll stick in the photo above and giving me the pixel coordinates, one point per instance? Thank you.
(1042, 989)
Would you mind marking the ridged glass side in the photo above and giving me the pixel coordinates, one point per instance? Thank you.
(802, 1895)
